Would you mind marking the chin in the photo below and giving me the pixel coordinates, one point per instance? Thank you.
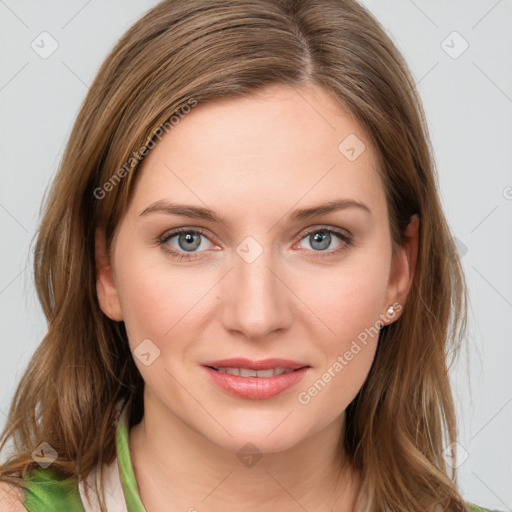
(268, 433)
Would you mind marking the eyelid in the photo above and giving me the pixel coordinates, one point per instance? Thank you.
(171, 233)
(323, 227)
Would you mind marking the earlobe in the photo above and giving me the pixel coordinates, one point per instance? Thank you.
(404, 264)
(106, 288)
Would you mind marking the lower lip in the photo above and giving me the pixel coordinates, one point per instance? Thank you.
(256, 388)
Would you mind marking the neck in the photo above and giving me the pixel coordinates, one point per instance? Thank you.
(176, 468)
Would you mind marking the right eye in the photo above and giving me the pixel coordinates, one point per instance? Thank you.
(186, 243)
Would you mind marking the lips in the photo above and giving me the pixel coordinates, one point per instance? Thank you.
(255, 380)
(264, 364)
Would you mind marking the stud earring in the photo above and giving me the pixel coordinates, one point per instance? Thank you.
(391, 310)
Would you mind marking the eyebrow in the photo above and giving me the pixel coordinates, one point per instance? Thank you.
(198, 212)
(331, 206)
(194, 212)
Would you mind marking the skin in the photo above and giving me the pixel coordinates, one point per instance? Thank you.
(252, 160)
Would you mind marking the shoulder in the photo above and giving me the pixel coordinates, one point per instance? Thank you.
(476, 508)
(44, 490)
(11, 498)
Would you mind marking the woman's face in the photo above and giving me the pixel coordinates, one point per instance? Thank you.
(278, 277)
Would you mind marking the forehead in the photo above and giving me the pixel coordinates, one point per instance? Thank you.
(281, 145)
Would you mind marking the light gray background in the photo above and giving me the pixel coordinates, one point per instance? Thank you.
(468, 101)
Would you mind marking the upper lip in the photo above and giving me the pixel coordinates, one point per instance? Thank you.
(252, 364)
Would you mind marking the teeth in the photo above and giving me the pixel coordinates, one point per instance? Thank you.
(246, 372)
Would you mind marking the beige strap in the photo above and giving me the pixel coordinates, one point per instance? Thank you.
(114, 496)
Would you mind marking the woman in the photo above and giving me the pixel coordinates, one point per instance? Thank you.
(249, 281)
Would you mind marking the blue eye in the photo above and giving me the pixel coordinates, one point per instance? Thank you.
(321, 238)
(188, 241)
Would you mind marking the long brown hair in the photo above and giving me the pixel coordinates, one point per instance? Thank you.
(185, 51)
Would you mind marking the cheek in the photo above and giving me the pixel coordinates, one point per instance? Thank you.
(351, 307)
(348, 299)
(154, 300)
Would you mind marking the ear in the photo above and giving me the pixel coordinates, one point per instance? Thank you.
(105, 284)
(402, 268)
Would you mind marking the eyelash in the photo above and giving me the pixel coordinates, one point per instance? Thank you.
(345, 238)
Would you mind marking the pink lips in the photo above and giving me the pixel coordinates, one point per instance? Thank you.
(264, 364)
(256, 388)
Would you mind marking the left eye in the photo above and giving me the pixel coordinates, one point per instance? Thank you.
(188, 240)
(320, 239)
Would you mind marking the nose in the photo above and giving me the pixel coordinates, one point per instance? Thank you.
(257, 303)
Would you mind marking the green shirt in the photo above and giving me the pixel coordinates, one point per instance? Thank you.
(46, 491)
